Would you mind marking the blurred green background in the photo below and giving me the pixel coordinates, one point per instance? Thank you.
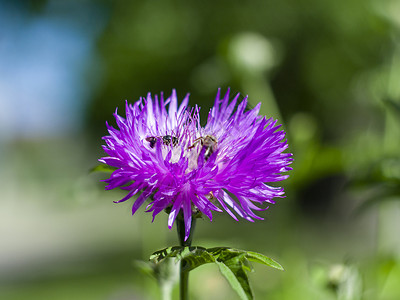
(328, 70)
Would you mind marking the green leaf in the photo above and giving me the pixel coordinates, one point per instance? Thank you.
(226, 254)
(232, 263)
(197, 258)
(216, 251)
(238, 280)
(102, 168)
(191, 257)
(260, 258)
(160, 255)
(238, 260)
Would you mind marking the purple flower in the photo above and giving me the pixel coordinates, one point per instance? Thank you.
(162, 151)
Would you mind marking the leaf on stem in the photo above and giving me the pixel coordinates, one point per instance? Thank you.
(238, 280)
(262, 259)
(232, 263)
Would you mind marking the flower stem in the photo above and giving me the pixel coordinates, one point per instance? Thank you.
(184, 275)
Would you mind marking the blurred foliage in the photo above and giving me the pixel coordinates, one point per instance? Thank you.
(321, 49)
(323, 67)
(328, 70)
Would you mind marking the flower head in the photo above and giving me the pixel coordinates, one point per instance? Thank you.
(162, 152)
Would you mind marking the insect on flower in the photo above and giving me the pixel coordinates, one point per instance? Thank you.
(166, 139)
(209, 145)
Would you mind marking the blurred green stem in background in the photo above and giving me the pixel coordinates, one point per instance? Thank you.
(392, 101)
(260, 86)
(391, 144)
(166, 286)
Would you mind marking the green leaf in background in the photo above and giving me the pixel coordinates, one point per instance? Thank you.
(102, 168)
(393, 105)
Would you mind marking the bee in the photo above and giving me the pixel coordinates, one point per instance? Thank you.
(208, 142)
(166, 139)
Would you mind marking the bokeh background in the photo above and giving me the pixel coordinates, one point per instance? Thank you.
(328, 70)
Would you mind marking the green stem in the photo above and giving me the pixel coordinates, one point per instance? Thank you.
(184, 275)
(183, 284)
